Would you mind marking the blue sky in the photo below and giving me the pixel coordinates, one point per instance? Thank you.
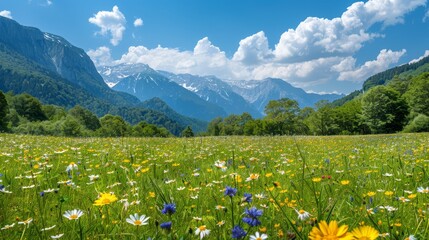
(320, 46)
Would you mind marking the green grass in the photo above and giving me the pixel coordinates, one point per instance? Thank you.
(344, 178)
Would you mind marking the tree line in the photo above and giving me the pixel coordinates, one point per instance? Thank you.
(25, 114)
(401, 105)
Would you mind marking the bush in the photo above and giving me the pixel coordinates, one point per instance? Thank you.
(418, 124)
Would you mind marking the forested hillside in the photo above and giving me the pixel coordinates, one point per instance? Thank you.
(25, 114)
(400, 105)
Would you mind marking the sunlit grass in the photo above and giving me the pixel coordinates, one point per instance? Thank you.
(378, 181)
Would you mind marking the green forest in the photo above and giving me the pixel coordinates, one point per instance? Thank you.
(399, 105)
(25, 114)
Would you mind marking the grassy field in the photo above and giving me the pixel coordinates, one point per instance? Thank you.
(214, 188)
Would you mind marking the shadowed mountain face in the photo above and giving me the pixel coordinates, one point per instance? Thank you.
(51, 69)
(56, 55)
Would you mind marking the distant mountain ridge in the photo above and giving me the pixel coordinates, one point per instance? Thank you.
(145, 83)
(260, 92)
(214, 90)
(234, 97)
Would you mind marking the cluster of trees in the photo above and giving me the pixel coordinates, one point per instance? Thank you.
(401, 105)
(25, 114)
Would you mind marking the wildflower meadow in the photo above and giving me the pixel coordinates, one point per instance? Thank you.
(340, 187)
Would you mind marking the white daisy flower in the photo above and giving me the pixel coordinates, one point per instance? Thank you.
(137, 220)
(258, 236)
(73, 214)
(202, 231)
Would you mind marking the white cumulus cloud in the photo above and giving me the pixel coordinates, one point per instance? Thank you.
(205, 59)
(384, 59)
(420, 58)
(101, 56)
(318, 55)
(138, 22)
(320, 37)
(110, 22)
(253, 50)
(6, 14)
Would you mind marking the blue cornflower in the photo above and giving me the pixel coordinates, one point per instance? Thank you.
(42, 193)
(253, 212)
(166, 225)
(238, 232)
(1, 186)
(229, 191)
(247, 197)
(169, 208)
(251, 221)
(252, 216)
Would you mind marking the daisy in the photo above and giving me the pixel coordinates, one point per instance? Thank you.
(253, 176)
(411, 237)
(403, 199)
(331, 231)
(220, 223)
(365, 232)
(260, 196)
(71, 166)
(50, 190)
(93, 177)
(202, 231)
(3, 190)
(48, 228)
(220, 165)
(423, 190)
(220, 207)
(57, 236)
(170, 181)
(8, 226)
(73, 214)
(302, 215)
(137, 220)
(389, 208)
(26, 222)
(258, 236)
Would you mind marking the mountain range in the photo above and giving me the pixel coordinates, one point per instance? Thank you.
(205, 97)
(56, 72)
(50, 68)
(145, 83)
(259, 93)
